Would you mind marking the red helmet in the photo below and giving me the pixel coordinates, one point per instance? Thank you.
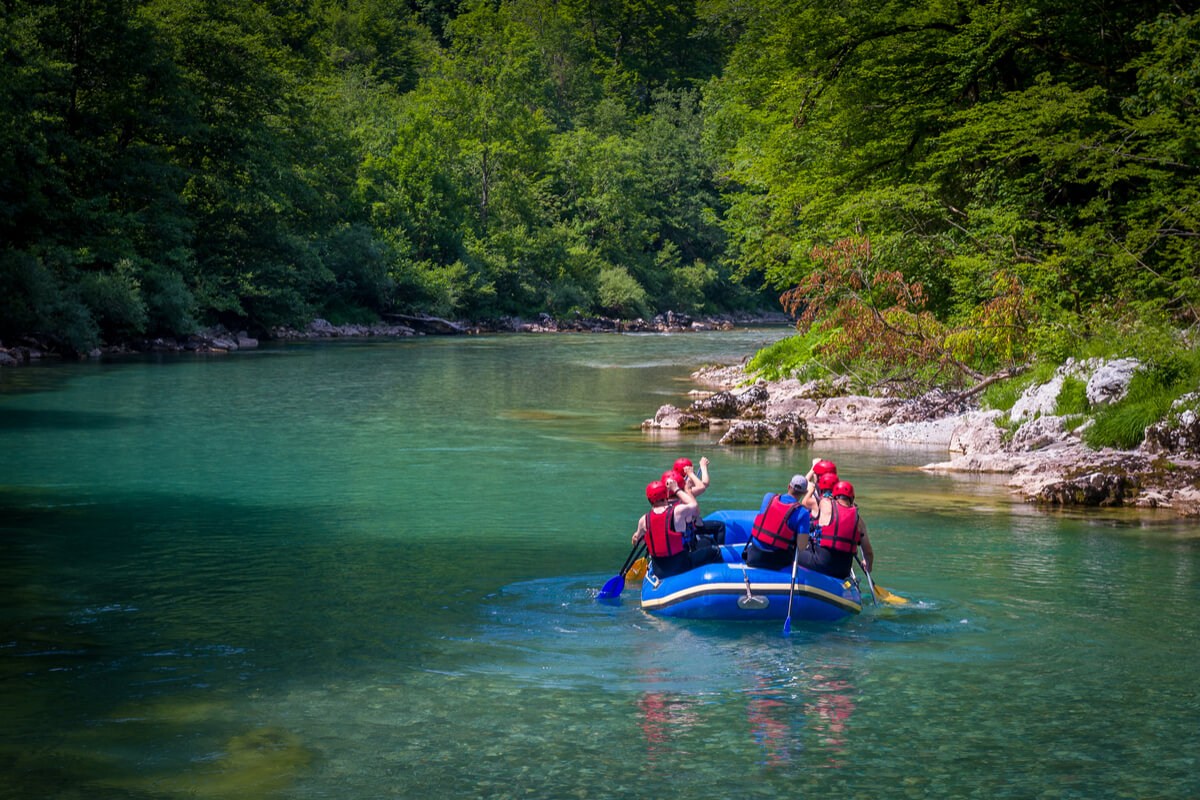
(823, 466)
(827, 481)
(681, 465)
(655, 491)
(844, 489)
(676, 476)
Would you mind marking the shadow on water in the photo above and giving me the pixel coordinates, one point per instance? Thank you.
(147, 624)
(15, 419)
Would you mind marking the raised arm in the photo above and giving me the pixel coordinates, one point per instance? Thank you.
(681, 494)
(698, 483)
(809, 501)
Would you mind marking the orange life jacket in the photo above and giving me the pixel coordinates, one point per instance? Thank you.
(771, 526)
(841, 532)
(661, 537)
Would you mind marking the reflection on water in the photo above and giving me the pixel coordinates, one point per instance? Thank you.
(802, 723)
(773, 725)
(665, 720)
(370, 571)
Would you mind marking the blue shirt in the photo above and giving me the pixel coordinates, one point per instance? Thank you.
(798, 520)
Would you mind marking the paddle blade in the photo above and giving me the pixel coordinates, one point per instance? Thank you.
(637, 571)
(887, 597)
(787, 627)
(614, 586)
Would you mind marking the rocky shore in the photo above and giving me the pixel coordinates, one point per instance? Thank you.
(1043, 455)
(219, 339)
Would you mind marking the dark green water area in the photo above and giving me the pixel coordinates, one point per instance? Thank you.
(368, 570)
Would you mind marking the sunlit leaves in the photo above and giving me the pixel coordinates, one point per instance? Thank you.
(1022, 163)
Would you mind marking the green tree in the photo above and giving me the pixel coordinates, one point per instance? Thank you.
(993, 153)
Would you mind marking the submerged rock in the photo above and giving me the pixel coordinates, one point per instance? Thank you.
(1094, 489)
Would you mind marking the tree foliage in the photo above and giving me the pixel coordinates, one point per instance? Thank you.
(1024, 164)
(1024, 172)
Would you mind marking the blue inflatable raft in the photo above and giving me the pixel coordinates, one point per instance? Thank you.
(714, 590)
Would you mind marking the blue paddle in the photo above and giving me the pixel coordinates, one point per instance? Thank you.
(616, 584)
(787, 623)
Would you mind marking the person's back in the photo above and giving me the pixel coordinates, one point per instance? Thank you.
(779, 528)
(839, 534)
(664, 526)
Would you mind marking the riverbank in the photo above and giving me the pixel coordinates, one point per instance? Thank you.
(1043, 455)
(220, 340)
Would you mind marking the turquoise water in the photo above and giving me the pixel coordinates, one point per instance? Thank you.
(368, 571)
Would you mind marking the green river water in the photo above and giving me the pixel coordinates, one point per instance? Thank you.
(368, 570)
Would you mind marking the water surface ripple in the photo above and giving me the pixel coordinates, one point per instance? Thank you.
(369, 570)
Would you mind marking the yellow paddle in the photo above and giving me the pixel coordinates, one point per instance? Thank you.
(887, 597)
(878, 591)
(637, 571)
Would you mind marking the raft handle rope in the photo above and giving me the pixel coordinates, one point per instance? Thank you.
(750, 602)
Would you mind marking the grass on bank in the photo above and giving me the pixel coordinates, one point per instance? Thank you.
(1121, 425)
(1152, 390)
(792, 357)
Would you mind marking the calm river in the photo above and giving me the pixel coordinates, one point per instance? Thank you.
(368, 571)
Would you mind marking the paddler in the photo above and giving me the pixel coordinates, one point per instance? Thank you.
(710, 531)
(782, 520)
(672, 510)
(840, 532)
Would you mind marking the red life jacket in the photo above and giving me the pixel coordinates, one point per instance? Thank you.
(841, 532)
(661, 537)
(771, 526)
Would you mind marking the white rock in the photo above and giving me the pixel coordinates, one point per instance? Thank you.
(933, 432)
(1038, 433)
(1038, 399)
(1110, 381)
(857, 408)
(977, 432)
(979, 462)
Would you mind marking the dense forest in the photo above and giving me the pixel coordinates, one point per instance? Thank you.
(961, 187)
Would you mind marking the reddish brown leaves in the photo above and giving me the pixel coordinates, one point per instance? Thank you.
(877, 316)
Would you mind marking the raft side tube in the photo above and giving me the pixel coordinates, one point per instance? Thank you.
(712, 592)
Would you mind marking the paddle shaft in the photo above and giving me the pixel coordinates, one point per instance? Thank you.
(629, 558)
(870, 583)
(787, 623)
